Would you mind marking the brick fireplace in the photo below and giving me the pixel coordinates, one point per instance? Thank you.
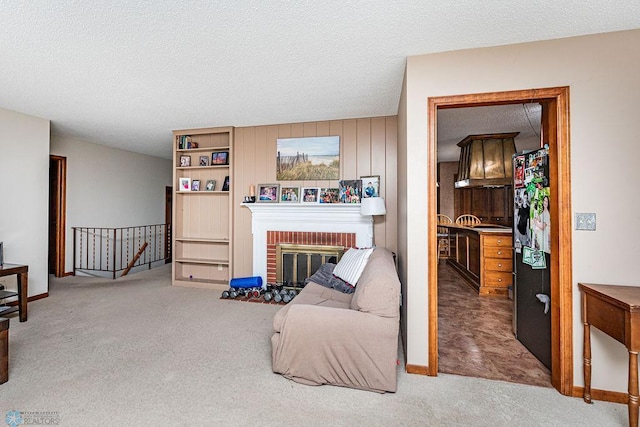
(275, 238)
(304, 224)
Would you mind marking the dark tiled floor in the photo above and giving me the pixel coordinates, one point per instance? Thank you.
(475, 335)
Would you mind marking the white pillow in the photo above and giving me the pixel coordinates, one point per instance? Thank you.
(352, 264)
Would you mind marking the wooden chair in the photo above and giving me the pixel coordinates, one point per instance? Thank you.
(468, 220)
(443, 237)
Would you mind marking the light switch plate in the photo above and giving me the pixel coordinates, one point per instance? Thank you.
(586, 221)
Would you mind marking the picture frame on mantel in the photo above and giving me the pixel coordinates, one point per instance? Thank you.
(350, 191)
(268, 193)
(329, 195)
(290, 195)
(310, 194)
(370, 186)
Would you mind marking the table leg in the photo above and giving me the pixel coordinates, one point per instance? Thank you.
(586, 353)
(4, 351)
(633, 388)
(23, 295)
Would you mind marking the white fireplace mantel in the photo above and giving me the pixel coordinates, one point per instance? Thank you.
(332, 218)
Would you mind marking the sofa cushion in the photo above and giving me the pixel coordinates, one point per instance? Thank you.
(313, 294)
(351, 265)
(378, 290)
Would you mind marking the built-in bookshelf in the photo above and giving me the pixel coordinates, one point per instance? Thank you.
(202, 208)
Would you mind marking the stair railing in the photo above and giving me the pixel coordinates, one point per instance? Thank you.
(111, 250)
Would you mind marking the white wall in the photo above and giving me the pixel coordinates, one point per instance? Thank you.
(602, 73)
(108, 187)
(24, 195)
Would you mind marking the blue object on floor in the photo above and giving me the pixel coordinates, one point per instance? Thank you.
(246, 282)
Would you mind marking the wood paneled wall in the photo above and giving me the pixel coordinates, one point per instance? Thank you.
(368, 146)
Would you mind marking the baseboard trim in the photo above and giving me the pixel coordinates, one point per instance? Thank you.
(37, 297)
(68, 273)
(417, 369)
(30, 299)
(603, 395)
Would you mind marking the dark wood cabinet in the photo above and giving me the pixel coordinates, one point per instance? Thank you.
(491, 205)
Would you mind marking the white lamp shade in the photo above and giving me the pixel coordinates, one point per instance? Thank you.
(372, 206)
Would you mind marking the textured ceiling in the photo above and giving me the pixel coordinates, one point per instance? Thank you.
(126, 73)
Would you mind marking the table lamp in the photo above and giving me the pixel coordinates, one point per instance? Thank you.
(372, 206)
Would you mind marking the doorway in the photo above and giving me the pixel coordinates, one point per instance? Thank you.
(57, 214)
(555, 127)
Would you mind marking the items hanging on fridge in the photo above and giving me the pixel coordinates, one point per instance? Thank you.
(532, 198)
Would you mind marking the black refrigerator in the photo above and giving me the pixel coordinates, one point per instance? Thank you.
(532, 253)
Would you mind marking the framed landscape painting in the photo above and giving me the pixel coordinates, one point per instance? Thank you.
(313, 158)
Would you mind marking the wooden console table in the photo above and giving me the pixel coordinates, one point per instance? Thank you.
(615, 310)
(23, 278)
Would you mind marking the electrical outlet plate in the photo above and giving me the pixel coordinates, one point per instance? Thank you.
(586, 221)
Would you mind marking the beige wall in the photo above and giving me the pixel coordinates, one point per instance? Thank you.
(24, 186)
(367, 147)
(601, 71)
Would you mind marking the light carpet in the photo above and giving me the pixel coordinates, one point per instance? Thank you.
(137, 351)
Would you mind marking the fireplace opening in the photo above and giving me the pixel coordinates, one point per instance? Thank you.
(294, 263)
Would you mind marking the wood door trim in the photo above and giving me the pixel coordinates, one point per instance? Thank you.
(556, 126)
(61, 211)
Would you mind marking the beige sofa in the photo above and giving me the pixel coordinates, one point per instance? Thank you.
(325, 336)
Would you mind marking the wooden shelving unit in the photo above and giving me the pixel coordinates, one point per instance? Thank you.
(202, 220)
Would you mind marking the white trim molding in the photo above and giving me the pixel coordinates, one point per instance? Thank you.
(331, 218)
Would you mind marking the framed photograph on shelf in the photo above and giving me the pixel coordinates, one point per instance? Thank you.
(195, 185)
(185, 184)
(268, 193)
(290, 195)
(370, 186)
(310, 194)
(220, 158)
(225, 184)
(211, 185)
(350, 191)
(329, 195)
(204, 160)
(185, 161)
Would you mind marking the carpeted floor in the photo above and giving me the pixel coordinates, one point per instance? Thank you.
(138, 352)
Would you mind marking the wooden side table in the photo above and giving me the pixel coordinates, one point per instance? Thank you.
(615, 310)
(22, 271)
